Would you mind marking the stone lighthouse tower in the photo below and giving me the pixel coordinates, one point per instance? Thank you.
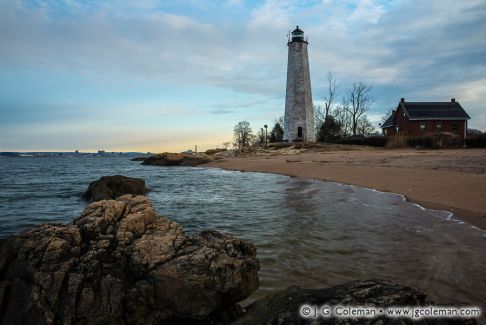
(299, 112)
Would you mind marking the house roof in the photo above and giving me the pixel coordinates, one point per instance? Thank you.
(434, 110)
(389, 121)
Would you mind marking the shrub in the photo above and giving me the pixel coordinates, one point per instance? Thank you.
(330, 130)
(373, 141)
(376, 141)
(279, 145)
(397, 141)
(214, 151)
(421, 141)
(277, 133)
(357, 140)
(476, 141)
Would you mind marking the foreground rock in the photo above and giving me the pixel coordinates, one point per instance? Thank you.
(176, 159)
(120, 263)
(283, 307)
(111, 187)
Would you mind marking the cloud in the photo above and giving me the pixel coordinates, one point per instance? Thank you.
(159, 52)
(241, 104)
(218, 111)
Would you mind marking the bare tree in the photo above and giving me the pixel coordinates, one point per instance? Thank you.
(318, 116)
(332, 87)
(322, 112)
(341, 116)
(357, 101)
(387, 114)
(471, 131)
(365, 126)
(242, 134)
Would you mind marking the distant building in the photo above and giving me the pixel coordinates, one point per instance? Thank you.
(445, 122)
(299, 112)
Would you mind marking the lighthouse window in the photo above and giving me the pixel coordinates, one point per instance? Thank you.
(299, 132)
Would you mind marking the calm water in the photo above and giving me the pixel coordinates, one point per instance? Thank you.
(309, 233)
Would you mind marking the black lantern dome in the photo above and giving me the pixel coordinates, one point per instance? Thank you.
(298, 35)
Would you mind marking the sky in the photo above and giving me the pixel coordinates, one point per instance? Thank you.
(160, 76)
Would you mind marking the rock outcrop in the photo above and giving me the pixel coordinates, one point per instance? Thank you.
(111, 187)
(176, 159)
(284, 306)
(138, 158)
(121, 263)
(211, 152)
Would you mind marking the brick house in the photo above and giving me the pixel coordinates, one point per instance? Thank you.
(444, 122)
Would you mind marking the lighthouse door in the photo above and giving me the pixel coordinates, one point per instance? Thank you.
(299, 132)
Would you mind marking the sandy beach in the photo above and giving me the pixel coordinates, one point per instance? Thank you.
(451, 180)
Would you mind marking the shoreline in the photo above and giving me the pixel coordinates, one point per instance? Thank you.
(468, 216)
(461, 193)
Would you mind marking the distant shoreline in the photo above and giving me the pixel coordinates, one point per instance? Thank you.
(431, 179)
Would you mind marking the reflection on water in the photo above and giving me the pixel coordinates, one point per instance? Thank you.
(332, 233)
(308, 233)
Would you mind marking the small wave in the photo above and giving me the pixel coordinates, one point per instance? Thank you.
(419, 206)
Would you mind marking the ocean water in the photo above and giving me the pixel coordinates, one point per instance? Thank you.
(308, 233)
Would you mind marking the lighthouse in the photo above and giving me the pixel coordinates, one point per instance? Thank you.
(299, 112)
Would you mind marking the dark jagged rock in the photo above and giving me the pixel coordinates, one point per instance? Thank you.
(121, 263)
(111, 187)
(176, 159)
(284, 306)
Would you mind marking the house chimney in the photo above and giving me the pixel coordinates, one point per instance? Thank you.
(453, 100)
(402, 100)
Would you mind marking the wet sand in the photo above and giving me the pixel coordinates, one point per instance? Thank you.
(451, 180)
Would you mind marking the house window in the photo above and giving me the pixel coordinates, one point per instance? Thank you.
(439, 127)
(422, 127)
(385, 131)
(455, 127)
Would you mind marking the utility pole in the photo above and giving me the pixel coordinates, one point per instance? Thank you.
(266, 136)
